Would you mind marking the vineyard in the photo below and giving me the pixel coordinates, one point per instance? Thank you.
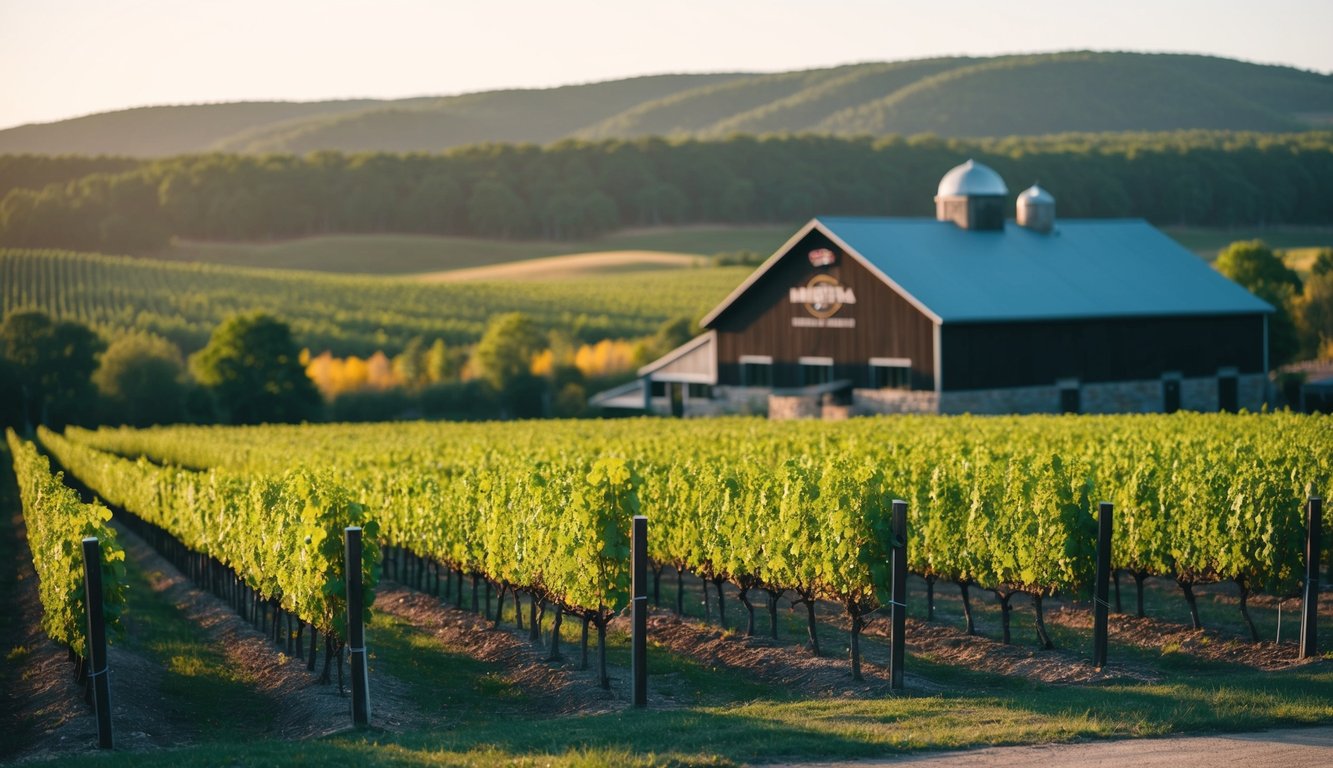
(999, 505)
(745, 516)
(344, 314)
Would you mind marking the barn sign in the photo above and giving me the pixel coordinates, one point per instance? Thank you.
(823, 297)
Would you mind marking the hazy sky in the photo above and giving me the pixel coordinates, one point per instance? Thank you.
(61, 58)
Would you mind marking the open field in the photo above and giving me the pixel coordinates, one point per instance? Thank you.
(1300, 243)
(630, 250)
(571, 267)
(393, 254)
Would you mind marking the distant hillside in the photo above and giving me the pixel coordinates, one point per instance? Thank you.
(956, 97)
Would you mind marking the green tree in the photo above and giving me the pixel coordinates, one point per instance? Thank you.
(504, 359)
(53, 363)
(1317, 314)
(505, 351)
(11, 396)
(441, 363)
(410, 364)
(253, 369)
(1262, 272)
(143, 379)
(1323, 262)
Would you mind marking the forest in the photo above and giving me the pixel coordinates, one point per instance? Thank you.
(578, 189)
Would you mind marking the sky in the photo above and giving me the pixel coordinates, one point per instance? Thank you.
(64, 58)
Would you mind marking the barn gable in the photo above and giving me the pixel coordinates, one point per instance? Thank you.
(817, 302)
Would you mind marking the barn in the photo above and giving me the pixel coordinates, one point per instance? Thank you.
(969, 312)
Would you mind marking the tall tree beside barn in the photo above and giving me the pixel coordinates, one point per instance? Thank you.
(1262, 272)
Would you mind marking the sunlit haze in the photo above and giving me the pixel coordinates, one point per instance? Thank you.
(64, 58)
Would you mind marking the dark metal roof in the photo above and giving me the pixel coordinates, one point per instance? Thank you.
(1085, 268)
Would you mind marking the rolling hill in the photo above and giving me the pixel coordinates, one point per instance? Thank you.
(962, 97)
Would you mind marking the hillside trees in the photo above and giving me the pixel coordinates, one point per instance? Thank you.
(576, 189)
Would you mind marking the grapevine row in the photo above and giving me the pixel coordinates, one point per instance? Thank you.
(57, 522)
(997, 504)
(281, 536)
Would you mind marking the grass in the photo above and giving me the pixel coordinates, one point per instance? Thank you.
(200, 689)
(986, 712)
(441, 679)
(393, 254)
(724, 716)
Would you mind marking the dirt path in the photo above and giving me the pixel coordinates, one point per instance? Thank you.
(1305, 747)
(305, 707)
(526, 666)
(46, 706)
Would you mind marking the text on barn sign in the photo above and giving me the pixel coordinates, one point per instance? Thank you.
(823, 297)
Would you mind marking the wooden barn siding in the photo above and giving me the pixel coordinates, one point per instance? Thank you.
(983, 356)
(759, 323)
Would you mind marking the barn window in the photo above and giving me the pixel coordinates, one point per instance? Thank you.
(816, 371)
(756, 371)
(700, 392)
(890, 373)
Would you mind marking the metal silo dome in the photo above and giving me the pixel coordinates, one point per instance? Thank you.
(969, 179)
(1036, 209)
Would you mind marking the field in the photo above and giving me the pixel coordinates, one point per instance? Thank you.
(571, 266)
(433, 256)
(342, 313)
(412, 254)
(453, 677)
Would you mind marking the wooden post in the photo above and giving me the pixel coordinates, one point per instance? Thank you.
(1310, 597)
(356, 631)
(96, 661)
(898, 605)
(1100, 596)
(639, 593)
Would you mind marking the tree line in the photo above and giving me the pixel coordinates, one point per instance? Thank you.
(60, 372)
(577, 190)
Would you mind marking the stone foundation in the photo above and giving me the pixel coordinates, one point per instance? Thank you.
(1105, 397)
(1094, 397)
(868, 402)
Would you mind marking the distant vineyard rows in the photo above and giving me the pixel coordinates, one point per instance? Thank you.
(346, 315)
